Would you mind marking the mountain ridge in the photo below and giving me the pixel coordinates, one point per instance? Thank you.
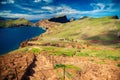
(15, 23)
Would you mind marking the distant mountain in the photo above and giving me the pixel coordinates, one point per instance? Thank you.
(15, 23)
(51, 22)
(59, 19)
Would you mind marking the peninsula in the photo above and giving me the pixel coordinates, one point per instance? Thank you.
(83, 49)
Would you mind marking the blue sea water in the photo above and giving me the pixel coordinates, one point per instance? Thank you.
(10, 38)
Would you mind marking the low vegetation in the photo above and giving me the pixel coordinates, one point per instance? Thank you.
(65, 74)
(92, 44)
(15, 23)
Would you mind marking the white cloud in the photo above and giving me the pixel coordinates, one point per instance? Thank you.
(37, 1)
(39, 11)
(47, 1)
(101, 7)
(31, 10)
(110, 6)
(8, 2)
(64, 10)
(98, 8)
(24, 8)
(14, 15)
(50, 8)
(61, 8)
(11, 1)
(9, 14)
(3, 2)
(5, 11)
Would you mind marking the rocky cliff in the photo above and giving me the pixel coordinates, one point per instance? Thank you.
(46, 24)
(59, 19)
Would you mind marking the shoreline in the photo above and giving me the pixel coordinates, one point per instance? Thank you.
(18, 46)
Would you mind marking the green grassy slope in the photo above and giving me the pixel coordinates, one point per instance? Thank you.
(80, 48)
(100, 35)
(91, 37)
(103, 29)
(12, 23)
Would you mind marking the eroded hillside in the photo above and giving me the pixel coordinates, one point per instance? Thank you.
(85, 49)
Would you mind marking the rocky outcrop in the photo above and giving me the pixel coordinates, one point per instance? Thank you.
(14, 66)
(59, 19)
(47, 24)
(52, 22)
(115, 17)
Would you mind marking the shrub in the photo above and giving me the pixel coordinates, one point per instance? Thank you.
(35, 50)
(118, 65)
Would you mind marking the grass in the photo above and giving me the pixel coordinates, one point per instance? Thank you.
(79, 28)
(80, 32)
(69, 66)
(110, 54)
(65, 73)
(35, 50)
(10, 23)
(115, 55)
(70, 52)
(59, 51)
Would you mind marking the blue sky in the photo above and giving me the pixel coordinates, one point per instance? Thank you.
(40, 9)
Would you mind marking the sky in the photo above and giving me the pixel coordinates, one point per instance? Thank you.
(42, 9)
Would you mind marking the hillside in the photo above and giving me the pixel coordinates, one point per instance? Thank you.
(15, 23)
(84, 49)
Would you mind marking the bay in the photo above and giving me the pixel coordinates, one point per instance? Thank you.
(10, 38)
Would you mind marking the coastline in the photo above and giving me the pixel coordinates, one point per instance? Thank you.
(13, 30)
(75, 45)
